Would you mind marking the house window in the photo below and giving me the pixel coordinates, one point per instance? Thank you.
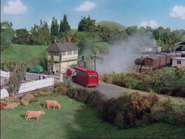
(75, 52)
(50, 53)
(178, 62)
(63, 53)
(69, 53)
(55, 53)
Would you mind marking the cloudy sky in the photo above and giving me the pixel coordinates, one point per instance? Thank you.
(155, 13)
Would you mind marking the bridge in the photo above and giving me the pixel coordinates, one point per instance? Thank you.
(179, 44)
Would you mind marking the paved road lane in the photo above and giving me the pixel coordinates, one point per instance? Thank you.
(110, 90)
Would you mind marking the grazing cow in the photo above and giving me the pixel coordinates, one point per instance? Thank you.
(33, 114)
(52, 103)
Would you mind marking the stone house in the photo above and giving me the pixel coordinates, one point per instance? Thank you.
(61, 56)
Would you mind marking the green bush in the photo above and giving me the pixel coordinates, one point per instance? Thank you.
(95, 98)
(43, 93)
(82, 94)
(60, 91)
(165, 81)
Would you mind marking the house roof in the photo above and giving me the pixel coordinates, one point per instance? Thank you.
(152, 57)
(179, 58)
(62, 47)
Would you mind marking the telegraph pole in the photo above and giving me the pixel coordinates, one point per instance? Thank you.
(95, 60)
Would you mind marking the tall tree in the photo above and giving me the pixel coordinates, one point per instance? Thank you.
(54, 27)
(64, 26)
(16, 78)
(7, 34)
(40, 34)
(131, 30)
(20, 35)
(87, 24)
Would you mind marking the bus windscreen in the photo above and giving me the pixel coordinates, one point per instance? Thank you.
(93, 76)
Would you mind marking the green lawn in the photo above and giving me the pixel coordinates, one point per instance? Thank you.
(17, 52)
(67, 123)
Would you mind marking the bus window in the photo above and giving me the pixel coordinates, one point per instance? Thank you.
(93, 76)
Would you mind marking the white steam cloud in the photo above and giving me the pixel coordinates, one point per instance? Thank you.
(122, 57)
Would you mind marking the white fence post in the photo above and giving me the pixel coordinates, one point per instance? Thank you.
(61, 77)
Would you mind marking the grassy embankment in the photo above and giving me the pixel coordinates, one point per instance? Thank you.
(17, 52)
(110, 24)
(71, 122)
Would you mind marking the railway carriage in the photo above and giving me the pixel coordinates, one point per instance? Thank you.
(168, 59)
(150, 63)
(162, 60)
(156, 61)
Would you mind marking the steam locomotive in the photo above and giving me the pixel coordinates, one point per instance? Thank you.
(155, 61)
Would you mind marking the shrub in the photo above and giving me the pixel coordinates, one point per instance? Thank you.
(82, 94)
(62, 90)
(26, 98)
(135, 107)
(16, 78)
(9, 102)
(95, 98)
(164, 112)
(58, 84)
(43, 93)
(107, 110)
(11, 105)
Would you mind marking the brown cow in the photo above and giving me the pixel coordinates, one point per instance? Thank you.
(33, 114)
(52, 103)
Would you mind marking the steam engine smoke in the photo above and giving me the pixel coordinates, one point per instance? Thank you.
(120, 59)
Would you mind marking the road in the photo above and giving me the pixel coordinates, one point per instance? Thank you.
(110, 90)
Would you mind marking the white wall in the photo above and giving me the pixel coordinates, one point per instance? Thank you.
(29, 86)
(174, 63)
(5, 74)
(66, 65)
(4, 93)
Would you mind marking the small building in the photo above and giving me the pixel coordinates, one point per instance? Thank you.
(61, 56)
(146, 49)
(178, 61)
(150, 49)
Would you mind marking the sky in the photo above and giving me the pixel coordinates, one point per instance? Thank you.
(154, 13)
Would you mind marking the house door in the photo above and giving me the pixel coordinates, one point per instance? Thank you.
(54, 69)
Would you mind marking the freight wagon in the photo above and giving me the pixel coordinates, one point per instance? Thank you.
(155, 61)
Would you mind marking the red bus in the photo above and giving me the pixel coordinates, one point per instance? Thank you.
(85, 76)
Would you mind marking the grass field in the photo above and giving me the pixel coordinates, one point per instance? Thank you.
(70, 123)
(17, 52)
